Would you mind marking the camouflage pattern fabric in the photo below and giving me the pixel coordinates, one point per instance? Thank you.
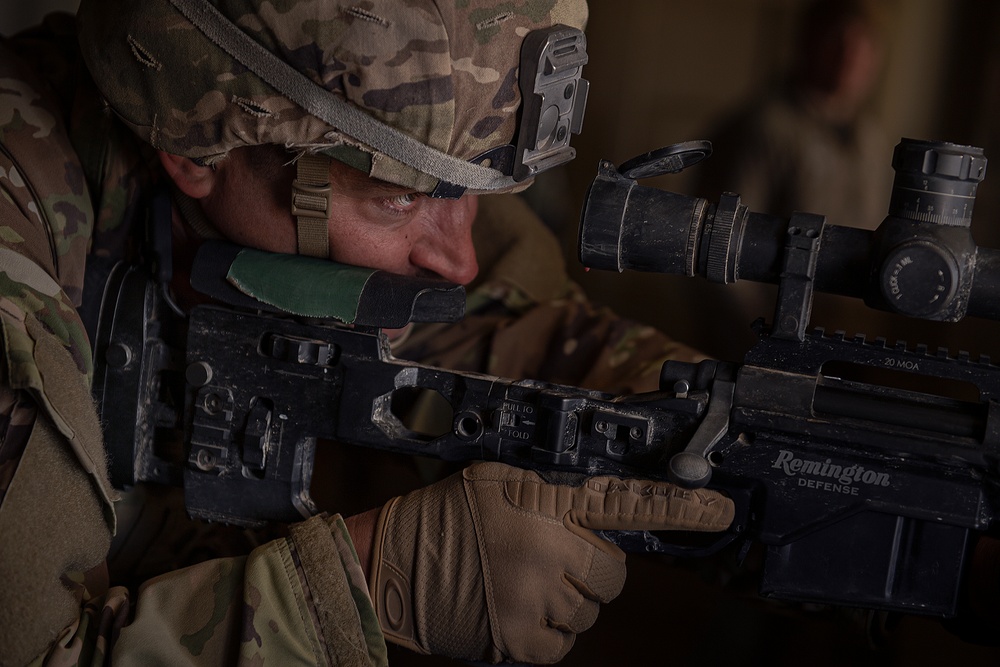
(301, 595)
(115, 168)
(64, 213)
(441, 71)
(246, 610)
(255, 609)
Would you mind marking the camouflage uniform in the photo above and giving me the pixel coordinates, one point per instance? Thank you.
(303, 596)
(73, 182)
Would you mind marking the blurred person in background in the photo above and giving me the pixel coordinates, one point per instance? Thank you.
(810, 144)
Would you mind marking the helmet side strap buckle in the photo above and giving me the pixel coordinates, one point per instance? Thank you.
(311, 204)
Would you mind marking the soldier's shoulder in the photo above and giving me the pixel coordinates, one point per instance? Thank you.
(47, 214)
(515, 248)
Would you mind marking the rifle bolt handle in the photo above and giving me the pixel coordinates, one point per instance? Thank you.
(689, 470)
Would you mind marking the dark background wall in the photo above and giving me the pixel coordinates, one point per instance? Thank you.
(18, 14)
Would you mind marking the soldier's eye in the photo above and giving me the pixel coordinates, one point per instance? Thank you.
(403, 203)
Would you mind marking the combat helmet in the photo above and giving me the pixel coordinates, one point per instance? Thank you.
(420, 93)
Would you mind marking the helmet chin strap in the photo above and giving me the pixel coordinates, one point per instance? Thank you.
(311, 204)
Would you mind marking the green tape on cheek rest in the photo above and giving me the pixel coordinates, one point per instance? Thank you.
(300, 285)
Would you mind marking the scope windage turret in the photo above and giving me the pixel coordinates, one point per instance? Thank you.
(920, 262)
(924, 255)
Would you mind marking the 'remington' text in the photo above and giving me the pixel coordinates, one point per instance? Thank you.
(841, 478)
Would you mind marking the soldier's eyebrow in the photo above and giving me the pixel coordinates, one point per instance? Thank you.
(370, 187)
(356, 183)
(390, 189)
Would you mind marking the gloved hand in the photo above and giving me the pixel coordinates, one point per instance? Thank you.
(496, 564)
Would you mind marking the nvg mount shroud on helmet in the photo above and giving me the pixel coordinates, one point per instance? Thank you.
(553, 102)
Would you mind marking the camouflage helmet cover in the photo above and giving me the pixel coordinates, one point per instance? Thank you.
(441, 72)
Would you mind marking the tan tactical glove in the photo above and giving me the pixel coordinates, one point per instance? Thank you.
(496, 564)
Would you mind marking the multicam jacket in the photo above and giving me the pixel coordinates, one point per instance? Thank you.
(72, 182)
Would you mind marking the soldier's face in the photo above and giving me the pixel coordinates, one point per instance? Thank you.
(372, 224)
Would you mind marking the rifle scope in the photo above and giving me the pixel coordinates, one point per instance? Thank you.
(920, 262)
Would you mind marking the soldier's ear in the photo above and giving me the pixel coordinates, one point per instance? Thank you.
(191, 178)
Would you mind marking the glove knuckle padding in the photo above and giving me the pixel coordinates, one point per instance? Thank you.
(496, 563)
(608, 503)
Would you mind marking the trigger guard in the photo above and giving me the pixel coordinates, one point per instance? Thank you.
(644, 541)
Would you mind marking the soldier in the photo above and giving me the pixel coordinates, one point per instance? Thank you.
(490, 564)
